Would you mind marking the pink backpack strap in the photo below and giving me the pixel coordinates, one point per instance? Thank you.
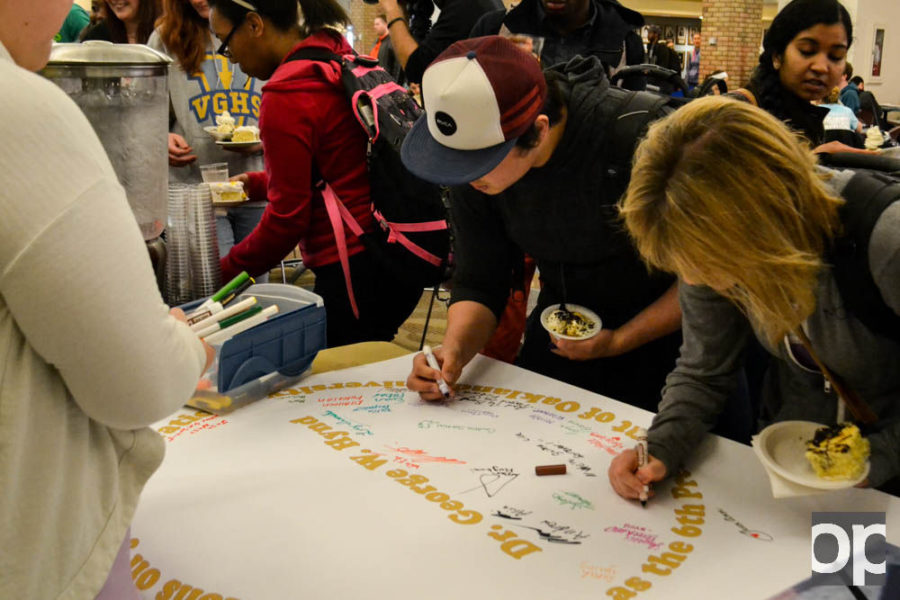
(395, 235)
(338, 214)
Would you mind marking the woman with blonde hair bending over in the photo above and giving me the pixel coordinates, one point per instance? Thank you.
(726, 197)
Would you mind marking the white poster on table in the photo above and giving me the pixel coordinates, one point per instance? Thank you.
(348, 486)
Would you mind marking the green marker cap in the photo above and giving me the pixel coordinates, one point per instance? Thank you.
(224, 291)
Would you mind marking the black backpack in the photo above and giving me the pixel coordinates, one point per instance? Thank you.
(414, 239)
(867, 195)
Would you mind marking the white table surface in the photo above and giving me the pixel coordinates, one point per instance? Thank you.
(258, 505)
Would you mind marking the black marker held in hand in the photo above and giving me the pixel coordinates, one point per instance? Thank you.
(643, 457)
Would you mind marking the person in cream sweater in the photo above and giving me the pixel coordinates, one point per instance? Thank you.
(90, 353)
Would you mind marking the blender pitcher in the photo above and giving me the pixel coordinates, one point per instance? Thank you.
(123, 91)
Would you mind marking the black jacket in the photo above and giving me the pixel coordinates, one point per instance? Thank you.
(609, 30)
(662, 55)
(796, 112)
(388, 61)
(453, 24)
(564, 215)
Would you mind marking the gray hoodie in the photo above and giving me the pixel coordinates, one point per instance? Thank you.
(219, 85)
(715, 332)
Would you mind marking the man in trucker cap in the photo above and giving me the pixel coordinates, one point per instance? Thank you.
(527, 154)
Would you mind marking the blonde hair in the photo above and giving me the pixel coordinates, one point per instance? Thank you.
(725, 195)
(833, 96)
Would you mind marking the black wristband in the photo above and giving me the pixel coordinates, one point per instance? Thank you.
(392, 21)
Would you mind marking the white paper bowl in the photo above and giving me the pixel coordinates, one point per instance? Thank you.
(585, 312)
(783, 449)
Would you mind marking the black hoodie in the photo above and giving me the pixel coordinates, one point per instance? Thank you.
(610, 28)
(564, 215)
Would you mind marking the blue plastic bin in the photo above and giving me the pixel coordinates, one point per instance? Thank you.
(268, 357)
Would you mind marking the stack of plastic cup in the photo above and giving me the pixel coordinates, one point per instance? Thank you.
(206, 276)
(178, 235)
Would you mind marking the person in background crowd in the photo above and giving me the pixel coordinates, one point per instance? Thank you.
(454, 23)
(869, 112)
(74, 24)
(601, 28)
(692, 72)
(839, 116)
(803, 58)
(658, 53)
(309, 135)
(92, 356)
(379, 26)
(95, 11)
(124, 22)
(849, 88)
(203, 85)
(717, 76)
(724, 196)
(384, 49)
(532, 174)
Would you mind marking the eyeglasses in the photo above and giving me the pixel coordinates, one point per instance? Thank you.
(223, 49)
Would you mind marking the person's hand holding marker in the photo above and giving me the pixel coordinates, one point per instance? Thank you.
(426, 379)
(629, 480)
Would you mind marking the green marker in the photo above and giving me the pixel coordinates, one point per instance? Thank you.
(230, 321)
(231, 285)
(223, 292)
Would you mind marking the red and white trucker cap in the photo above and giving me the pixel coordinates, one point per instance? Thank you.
(480, 95)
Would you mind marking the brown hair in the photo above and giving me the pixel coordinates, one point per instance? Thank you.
(724, 195)
(848, 70)
(148, 10)
(185, 34)
(833, 96)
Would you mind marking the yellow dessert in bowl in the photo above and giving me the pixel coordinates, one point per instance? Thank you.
(838, 452)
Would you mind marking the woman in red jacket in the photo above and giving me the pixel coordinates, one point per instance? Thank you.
(309, 134)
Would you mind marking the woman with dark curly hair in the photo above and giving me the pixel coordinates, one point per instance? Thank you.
(124, 22)
(803, 58)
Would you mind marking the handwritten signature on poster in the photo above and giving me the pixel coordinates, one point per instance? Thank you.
(751, 533)
(555, 449)
(637, 535)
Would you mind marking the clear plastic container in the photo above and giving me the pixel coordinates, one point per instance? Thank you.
(265, 358)
(122, 90)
